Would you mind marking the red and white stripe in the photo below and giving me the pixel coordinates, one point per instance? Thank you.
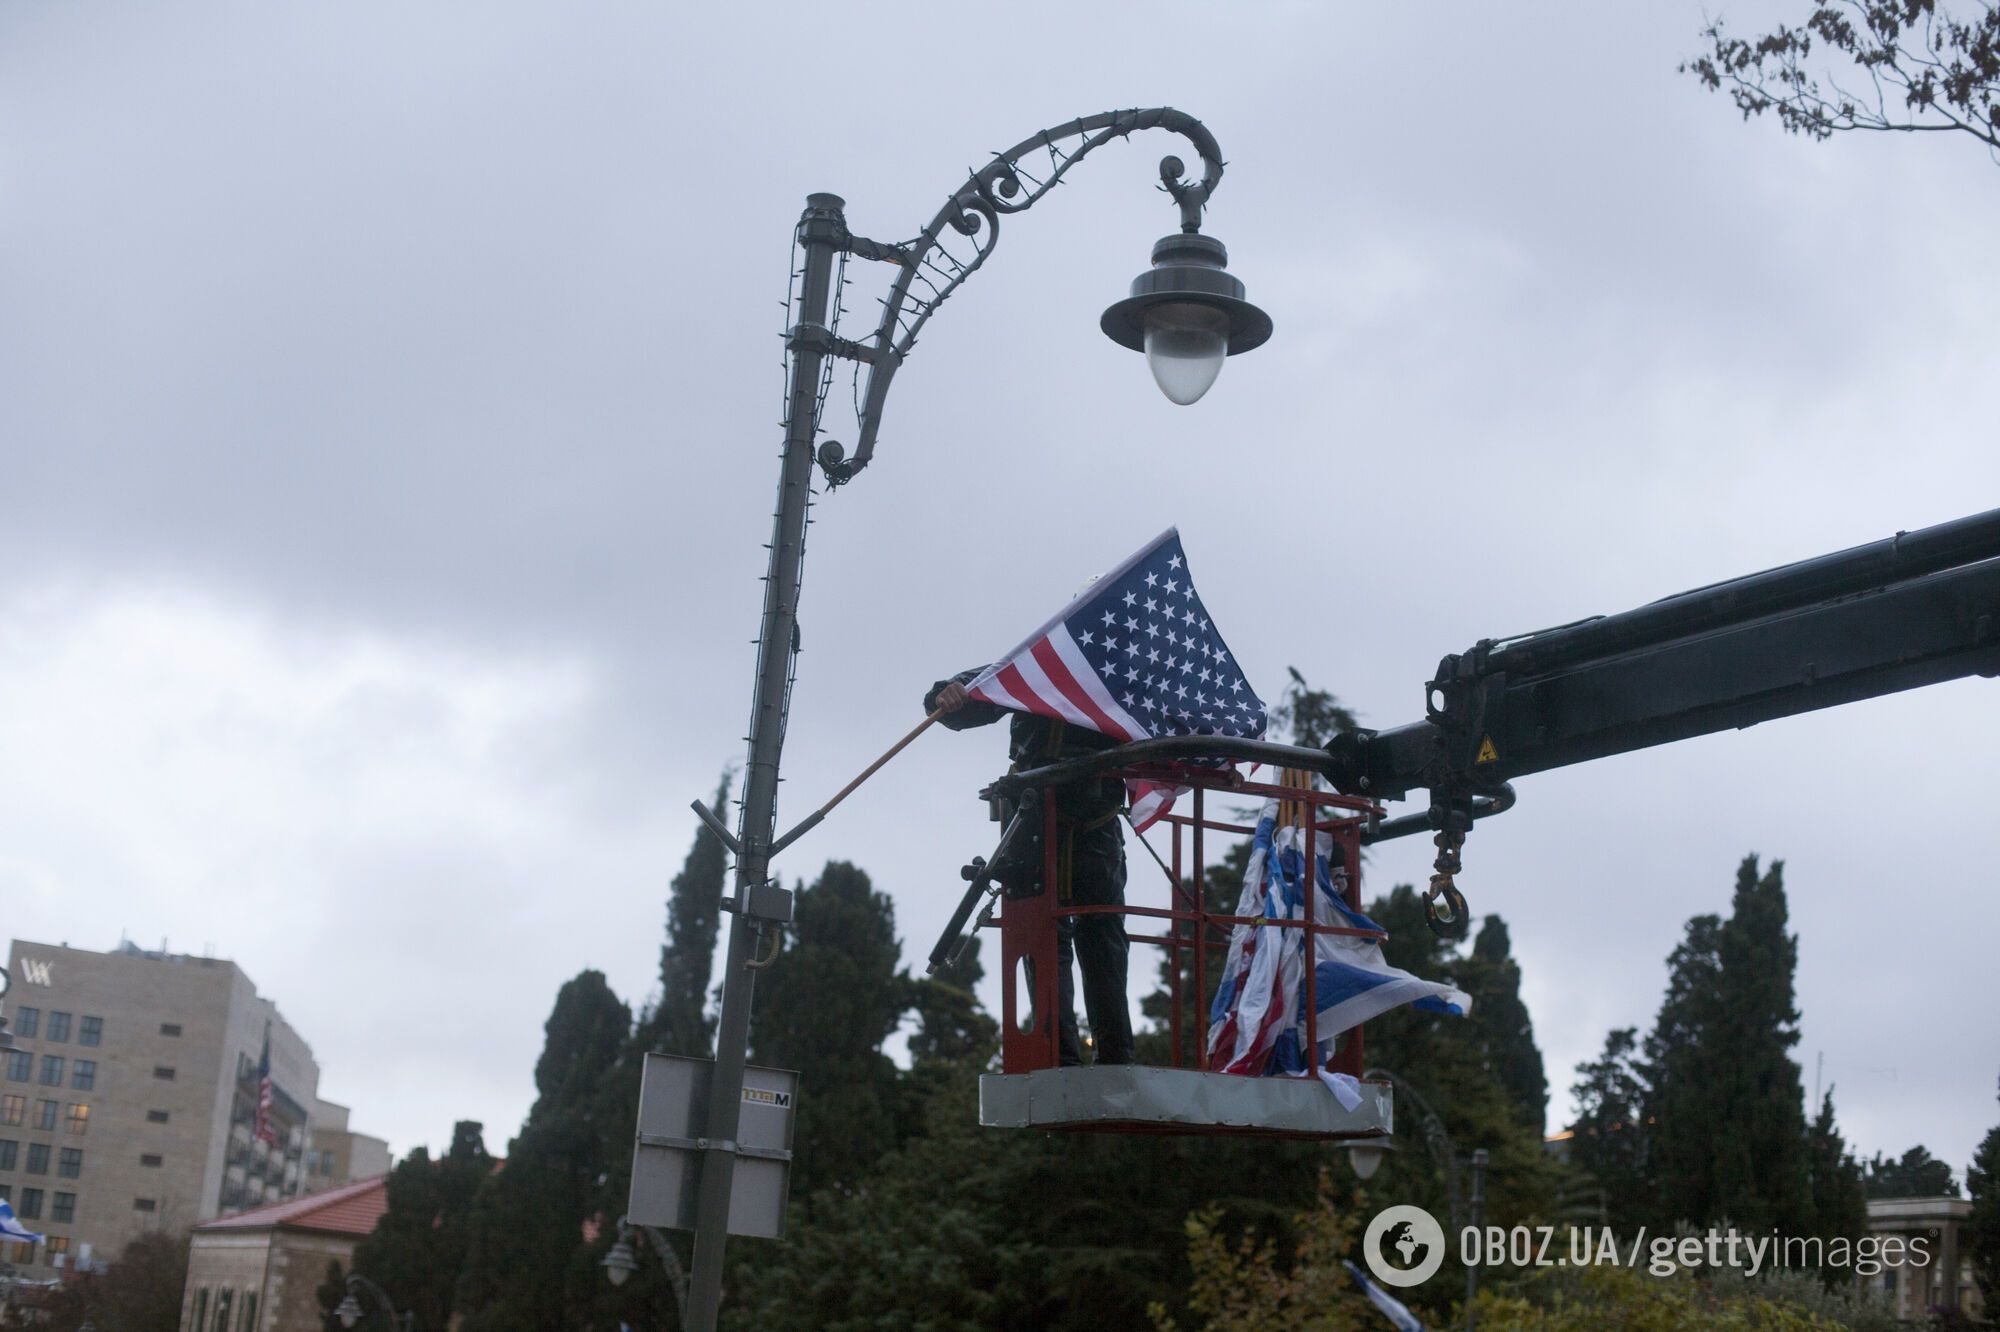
(1049, 677)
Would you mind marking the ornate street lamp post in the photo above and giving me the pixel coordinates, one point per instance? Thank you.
(1367, 1156)
(350, 1312)
(1186, 312)
(623, 1261)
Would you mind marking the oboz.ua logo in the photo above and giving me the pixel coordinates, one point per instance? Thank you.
(1403, 1246)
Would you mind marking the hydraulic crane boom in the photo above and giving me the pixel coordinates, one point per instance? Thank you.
(1914, 609)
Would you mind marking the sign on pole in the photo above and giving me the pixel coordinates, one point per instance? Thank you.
(666, 1163)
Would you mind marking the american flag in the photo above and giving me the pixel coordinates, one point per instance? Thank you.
(265, 1131)
(1134, 656)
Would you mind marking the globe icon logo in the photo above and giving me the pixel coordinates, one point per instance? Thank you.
(1403, 1246)
(1407, 1247)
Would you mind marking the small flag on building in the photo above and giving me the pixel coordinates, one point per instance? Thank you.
(1134, 656)
(12, 1229)
(266, 1131)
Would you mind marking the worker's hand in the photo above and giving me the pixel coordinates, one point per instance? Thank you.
(951, 698)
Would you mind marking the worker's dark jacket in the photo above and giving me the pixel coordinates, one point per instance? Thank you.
(1035, 742)
(1090, 867)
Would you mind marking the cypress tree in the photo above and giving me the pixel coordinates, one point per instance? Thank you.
(1683, 1106)
(1761, 1172)
(1839, 1207)
(1727, 1099)
(1493, 979)
(681, 1023)
(418, 1247)
(1982, 1228)
(528, 1267)
(1609, 1138)
(825, 1007)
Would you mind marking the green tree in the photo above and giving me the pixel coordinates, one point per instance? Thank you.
(1308, 716)
(825, 1007)
(1727, 1105)
(680, 1024)
(1839, 1206)
(141, 1292)
(1609, 1138)
(418, 1247)
(1493, 979)
(1916, 69)
(528, 1267)
(1982, 1228)
(1917, 1174)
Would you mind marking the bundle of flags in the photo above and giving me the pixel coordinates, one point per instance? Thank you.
(1257, 1023)
(1133, 656)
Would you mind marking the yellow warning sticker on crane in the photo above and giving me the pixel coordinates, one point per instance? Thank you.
(1487, 753)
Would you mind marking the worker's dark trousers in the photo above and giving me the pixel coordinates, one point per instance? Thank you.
(1091, 872)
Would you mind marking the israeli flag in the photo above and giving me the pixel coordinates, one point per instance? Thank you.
(1398, 1315)
(1257, 1023)
(14, 1230)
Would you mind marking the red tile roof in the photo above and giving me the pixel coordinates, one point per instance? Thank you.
(351, 1209)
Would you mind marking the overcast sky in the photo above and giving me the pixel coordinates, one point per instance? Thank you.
(388, 425)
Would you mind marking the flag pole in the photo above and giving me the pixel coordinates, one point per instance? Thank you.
(812, 820)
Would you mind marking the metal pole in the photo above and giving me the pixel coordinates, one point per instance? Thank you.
(822, 228)
(1479, 1159)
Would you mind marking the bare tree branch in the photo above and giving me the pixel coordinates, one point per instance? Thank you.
(1946, 70)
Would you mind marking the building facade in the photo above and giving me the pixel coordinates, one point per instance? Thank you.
(1916, 1292)
(131, 1098)
(261, 1270)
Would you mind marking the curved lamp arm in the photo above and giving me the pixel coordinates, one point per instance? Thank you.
(930, 272)
(350, 1312)
(1436, 1140)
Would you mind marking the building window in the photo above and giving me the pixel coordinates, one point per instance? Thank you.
(62, 1208)
(7, 1194)
(52, 1069)
(31, 1204)
(170, 1029)
(20, 1066)
(157, 1116)
(249, 1311)
(91, 1032)
(38, 1158)
(70, 1164)
(200, 1307)
(163, 1073)
(223, 1299)
(76, 1121)
(45, 1116)
(58, 1026)
(145, 1204)
(13, 1110)
(83, 1074)
(27, 1021)
(149, 1159)
(10, 1151)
